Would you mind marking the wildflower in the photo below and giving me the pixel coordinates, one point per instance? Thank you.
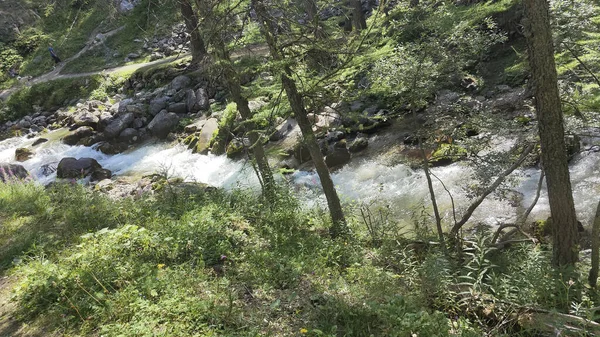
(303, 331)
(161, 265)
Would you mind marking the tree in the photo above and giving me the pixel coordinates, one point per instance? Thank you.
(355, 17)
(551, 131)
(296, 102)
(219, 20)
(191, 24)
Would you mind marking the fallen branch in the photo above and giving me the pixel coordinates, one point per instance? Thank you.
(490, 189)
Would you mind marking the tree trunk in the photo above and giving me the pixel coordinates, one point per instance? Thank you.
(593, 276)
(232, 82)
(191, 25)
(358, 16)
(312, 13)
(551, 131)
(333, 201)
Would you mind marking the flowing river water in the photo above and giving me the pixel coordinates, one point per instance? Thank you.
(398, 188)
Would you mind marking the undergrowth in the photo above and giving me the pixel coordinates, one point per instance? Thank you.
(226, 264)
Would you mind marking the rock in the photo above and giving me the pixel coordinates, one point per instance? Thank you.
(22, 154)
(39, 141)
(163, 123)
(139, 123)
(128, 135)
(234, 148)
(190, 101)
(40, 120)
(71, 168)
(340, 156)
(334, 136)
(117, 126)
(285, 129)
(24, 124)
(205, 136)
(359, 144)
(180, 82)
(137, 109)
(196, 126)
(178, 108)
(86, 118)
(12, 172)
(101, 174)
(256, 104)
(573, 144)
(328, 119)
(103, 120)
(157, 104)
(74, 137)
(133, 56)
(202, 100)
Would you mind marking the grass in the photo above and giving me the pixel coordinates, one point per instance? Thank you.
(226, 264)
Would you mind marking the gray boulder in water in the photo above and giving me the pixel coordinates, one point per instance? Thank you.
(71, 168)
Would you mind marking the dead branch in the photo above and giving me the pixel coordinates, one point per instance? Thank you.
(490, 189)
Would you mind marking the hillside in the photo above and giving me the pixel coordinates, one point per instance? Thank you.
(310, 168)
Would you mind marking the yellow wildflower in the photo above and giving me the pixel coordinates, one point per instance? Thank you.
(303, 331)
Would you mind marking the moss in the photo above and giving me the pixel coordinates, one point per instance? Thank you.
(447, 154)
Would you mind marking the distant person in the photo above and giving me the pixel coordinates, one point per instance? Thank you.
(54, 56)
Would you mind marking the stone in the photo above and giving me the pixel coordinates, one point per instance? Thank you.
(103, 120)
(137, 109)
(190, 101)
(202, 100)
(128, 135)
(12, 172)
(101, 174)
(178, 108)
(39, 141)
(75, 136)
(196, 126)
(209, 128)
(119, 124)
(359, 144)
(24, 124)
(180, 82)
(22, 154)
(86, 118)
(71, 168)
(133, 56)
(163, 123)
(339, 157)
(157, 104)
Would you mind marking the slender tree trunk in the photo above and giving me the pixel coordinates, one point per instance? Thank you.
(358, 16)
(593, 276)
(232, 82)
(551, 131)
(313, 17)
(333, 201)
(191, 25)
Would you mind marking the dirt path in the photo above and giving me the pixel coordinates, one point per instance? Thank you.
(55, 74)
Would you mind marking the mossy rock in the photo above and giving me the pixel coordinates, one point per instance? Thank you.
(447, 154)
(235, 149)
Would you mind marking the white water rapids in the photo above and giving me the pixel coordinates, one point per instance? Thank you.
(398, 187)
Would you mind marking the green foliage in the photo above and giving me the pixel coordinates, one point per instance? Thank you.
(52, 94)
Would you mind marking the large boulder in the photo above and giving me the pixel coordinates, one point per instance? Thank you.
(117, 126)
(202, 100)
(163, 123)
(10, 172)
(157, 105)
(180, 82)
(129, 135)
(74, 137)
(178, 108)
(71, 168)
(339, 156)
(86, 118)
(205, 136)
